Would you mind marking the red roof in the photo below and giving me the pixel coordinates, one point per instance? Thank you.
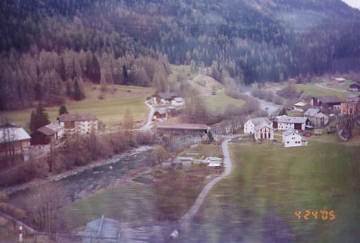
(77, 117)
(183, 126)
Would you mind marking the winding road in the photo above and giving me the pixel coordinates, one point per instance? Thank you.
(147, 125)
(185, 221)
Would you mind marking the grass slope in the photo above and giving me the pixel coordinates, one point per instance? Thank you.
(110, 110)
(256, 203)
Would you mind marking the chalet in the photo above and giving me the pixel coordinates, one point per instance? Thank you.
(300, 106)
(250, 125)
(78, 123)
(164, 98)
(317, 118)
(292, 138)
(355, 87)
(47, 134)
(340, 80)
(287, 122)
(14, 138)
(352, 105)
(327, 102)
(264, 131)
(353, 98)
(182, 128)
(161, 113)
(350, 108)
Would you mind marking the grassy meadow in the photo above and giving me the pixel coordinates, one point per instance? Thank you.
(268, 183)
(109, 109)
(313, 90)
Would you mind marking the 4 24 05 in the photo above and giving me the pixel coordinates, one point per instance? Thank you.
(317, 214)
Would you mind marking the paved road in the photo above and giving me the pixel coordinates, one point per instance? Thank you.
(186, 219)
(148, 124)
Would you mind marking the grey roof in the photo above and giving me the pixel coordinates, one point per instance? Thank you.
(260, 120)
(167, 95)
(13, 134)
(312, 111)
(320, 115)
(330, 99)
(182, 126)
(290, 119)
(290, 132)
(50, 129)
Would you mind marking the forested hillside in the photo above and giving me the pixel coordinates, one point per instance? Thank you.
(50, 48)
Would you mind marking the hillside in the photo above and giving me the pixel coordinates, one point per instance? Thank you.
(247, 41)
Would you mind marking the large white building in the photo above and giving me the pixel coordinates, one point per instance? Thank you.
(249, 126)
(292, 138)
(78, 123)
(287, 122)
(260, 127)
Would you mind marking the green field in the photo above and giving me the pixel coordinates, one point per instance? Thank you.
(110, 110)
(268, 183)
(220, 101)
(313, 90)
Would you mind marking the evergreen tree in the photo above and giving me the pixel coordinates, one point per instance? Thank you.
(125, 74)
(92, 71)
(38, 118)
(78, 93)
(63, 110)
(38, 92)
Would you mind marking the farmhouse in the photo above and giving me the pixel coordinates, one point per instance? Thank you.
(264, 131)
(327, 102)
(13, 139)
(78, 123)
(350, 108)
(355, 87)
(300, 106)
(250, 125)
(317, 118)
(353, 98)
(182, 129)
(47, 134)
(287, 122)
(292, 138)
(164, 98)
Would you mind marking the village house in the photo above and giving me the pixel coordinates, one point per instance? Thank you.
(351, 107)
(264, 132)
(317, 118)
(14, 139)
(47, 134)
(331, 103)
(182, 129)
(164, 98)
(160, 113)
(249, 126)
(78, 123)
(355, 87)
(285, 122)
(299, 106)
(292, 138)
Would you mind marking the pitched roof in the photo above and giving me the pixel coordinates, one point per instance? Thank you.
(182, 126)
(355, 85)
(330, 99)
(77, 117)
(300, 104)
(12, 134)
(260, 120)
(50, 129)
(290, 132)
(290, 119)
(312, 111)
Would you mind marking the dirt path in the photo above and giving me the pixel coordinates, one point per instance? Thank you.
(185, 221)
